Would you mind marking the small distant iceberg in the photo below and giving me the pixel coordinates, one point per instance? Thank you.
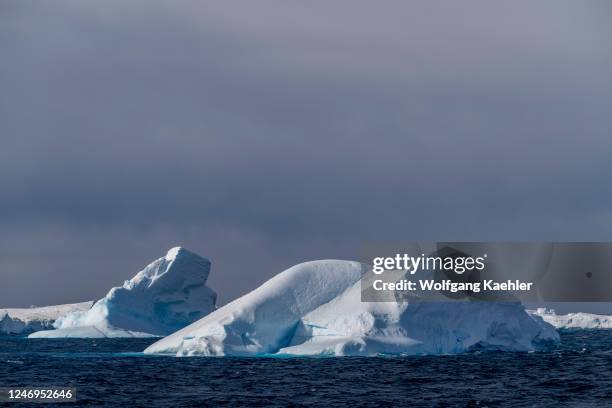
(315, 308)
(573, 320)
(28, 320)
(166, 296)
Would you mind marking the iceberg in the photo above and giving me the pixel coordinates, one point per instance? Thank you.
(166, 296)
(573, 320)
(29, 320)
(315, 308)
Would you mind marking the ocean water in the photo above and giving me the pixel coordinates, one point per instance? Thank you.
(112, 372)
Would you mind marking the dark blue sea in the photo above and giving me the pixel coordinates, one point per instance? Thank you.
(112, 372)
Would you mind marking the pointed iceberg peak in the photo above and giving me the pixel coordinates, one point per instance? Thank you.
(182, 252)
(178, 264)
(173, 253)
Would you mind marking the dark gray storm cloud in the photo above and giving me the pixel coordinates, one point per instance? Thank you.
(264, 134)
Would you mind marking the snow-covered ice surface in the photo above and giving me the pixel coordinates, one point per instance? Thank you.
(166, 296)
(29, 320)
(574, 320)
(94, 332)
(315, 308)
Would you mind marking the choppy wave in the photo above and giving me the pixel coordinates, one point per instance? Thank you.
(112, 372)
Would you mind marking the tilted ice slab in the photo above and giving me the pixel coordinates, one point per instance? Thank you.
(574, 320)
(315, 308)
(28, 320)
(166, 296)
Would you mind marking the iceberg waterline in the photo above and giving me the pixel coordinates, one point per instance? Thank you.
(168, 294)
(315, 308)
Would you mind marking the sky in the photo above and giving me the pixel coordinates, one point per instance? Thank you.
(264, 134)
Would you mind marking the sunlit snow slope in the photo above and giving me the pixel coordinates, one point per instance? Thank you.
(315, 308)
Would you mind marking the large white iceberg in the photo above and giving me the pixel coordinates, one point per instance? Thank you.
(28, 320)
(574, 320)
(315, 308)
(164, 297)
